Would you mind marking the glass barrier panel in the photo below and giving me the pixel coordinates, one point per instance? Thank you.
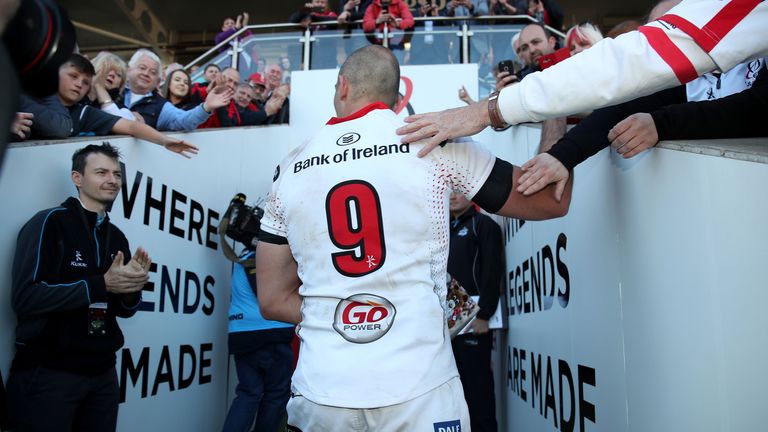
(489, 45)
(258, 51)
(432, 43)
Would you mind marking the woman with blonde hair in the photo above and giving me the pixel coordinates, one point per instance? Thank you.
(581, 37)
(108, 84)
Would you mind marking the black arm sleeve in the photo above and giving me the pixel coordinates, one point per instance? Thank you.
(495, 191)
(740, 115)
(591, 135)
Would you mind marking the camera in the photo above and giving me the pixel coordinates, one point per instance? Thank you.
(244, 221)
(385, 5)
(39, 39)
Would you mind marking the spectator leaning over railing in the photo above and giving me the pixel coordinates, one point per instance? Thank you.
(227, 115)
(140, 96)
(107, 84)
(177, 90)
(230, 27)
(250, 113)
(63, 115)
(630, 127)
(536, 42)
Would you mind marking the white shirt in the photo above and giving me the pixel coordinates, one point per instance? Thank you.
(631, 65)
(367, 222)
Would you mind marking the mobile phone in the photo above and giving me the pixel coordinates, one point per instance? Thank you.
(507, 66)
(556, 57)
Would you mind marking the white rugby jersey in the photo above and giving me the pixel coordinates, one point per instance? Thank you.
(367, 222)
(694, 37)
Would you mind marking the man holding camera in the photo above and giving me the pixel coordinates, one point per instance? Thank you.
(262, 348)
(73, 275)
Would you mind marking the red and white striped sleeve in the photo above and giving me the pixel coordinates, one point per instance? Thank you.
(695, 37)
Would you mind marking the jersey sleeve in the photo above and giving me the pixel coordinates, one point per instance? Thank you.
(476, 173)
(657, 56)
(273, 226)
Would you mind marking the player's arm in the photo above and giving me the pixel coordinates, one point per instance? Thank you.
(499, 195)
(277, 283)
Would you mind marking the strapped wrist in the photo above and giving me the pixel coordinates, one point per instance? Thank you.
(497, 121)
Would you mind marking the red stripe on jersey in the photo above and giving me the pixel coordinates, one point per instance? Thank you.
(357, 114)
(718, 27)
(670, 53)
(704, 40)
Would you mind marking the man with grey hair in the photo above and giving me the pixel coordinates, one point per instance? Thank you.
(141, 97)
(356, 255)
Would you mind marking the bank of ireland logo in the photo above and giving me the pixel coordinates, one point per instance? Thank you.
(348, 138)
(363, 318)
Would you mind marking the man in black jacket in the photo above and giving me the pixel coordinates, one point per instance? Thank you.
(73, 275)
(474, 261)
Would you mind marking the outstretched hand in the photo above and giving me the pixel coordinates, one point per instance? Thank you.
(437, 127)
(181, 147)
(541, 171)
(633, 135)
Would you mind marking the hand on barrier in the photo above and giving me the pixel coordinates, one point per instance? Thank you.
(22, 124)
(633, 135)
(541, 171)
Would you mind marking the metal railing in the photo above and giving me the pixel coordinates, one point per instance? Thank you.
(303, 42)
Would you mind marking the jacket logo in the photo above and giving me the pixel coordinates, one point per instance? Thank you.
(348, 138)
(463, 232)
(78, 262)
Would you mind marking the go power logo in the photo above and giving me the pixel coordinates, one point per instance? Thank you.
(363, 318)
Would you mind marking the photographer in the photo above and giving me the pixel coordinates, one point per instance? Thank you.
(262, 348)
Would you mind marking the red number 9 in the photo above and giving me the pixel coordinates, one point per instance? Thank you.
(353, 211)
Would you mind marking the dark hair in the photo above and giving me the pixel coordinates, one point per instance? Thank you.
(167, 85)
(211, 65)
(78, 159)
(547, 33)
(82, 64)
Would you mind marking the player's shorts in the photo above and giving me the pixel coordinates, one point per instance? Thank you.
(442, 409)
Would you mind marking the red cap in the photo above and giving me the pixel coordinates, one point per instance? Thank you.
(257, 78)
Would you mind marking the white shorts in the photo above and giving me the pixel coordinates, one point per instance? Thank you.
(440, 410)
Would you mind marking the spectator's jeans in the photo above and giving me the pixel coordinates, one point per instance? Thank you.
(264, 382)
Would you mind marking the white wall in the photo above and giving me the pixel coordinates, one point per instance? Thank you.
(665, 257)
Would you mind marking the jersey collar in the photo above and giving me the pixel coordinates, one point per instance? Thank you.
(360, 113)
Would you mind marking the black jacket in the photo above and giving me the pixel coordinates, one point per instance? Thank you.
(58, 272)
(475, 258)
(149, 107)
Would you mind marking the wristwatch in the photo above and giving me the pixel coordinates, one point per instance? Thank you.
(497, 121)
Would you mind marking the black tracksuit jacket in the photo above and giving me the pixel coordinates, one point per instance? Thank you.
(58, 271)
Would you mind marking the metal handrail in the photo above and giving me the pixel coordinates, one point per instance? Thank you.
(306, 37)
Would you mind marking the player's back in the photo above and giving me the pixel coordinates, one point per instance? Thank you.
(366, 221)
